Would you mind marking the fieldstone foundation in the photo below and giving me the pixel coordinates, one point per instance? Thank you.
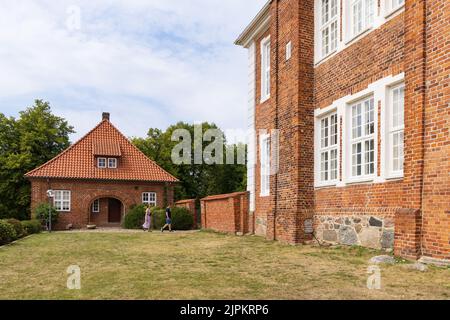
(367, 231)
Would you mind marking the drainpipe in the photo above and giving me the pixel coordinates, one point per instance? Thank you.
(276, 117)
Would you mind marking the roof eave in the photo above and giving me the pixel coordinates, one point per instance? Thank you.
(100, 179)
(258, 24)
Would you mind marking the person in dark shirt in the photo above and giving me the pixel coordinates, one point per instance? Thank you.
(168, 220)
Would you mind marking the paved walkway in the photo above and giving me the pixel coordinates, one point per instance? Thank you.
(121, 230)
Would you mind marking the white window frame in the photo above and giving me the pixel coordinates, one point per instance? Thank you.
(392, 6)
(265, 69)
(264, 149)
(361, 139)
(102, 166)
(325, 23)
(393, 130)
(288, 50)
(112, 166)
(328, 144)
(149, 198)
(62, 200)
(368, 15)
(96, 206)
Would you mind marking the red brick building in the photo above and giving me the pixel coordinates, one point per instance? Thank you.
(349, 102)
(98, 178)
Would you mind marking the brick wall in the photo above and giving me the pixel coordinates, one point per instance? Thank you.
(436, 179)
(189, 204)
(83, 194)
(412, 42)
(227, 213)
(408, 227)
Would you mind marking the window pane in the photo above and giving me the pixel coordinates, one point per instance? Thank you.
(333, 164)
(334, 36)
(369, 117)
(325, 11)
(325, 42)
(333, 8)
(356, 159)
(356, 121)
(369, 157)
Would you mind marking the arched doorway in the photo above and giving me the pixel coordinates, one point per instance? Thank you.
(106, 211)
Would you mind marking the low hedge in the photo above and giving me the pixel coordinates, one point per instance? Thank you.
(20, 231)
(134, 219)
(182, 219)
(32, 226)
(7, 232)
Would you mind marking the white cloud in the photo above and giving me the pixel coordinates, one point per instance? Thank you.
(150, 63)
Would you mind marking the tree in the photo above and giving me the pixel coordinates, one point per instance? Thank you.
(197, 180)
(26, 143)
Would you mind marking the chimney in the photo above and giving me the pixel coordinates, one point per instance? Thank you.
(105, 116)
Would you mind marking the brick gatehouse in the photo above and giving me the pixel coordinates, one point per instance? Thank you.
(98, 178)
(356, 93)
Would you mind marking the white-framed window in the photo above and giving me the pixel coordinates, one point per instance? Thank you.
(329, 18)
(362, 139)
(101, 163)
(112, 163)
(265, 69)
(393, 5)
(96, 206)
(288, 50)
(61, 201)
(362, 14)
(149, 198)
(396, 128)
(265, 164)
(329, 145)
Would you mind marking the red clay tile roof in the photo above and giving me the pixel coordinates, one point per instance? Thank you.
(79, 161)
(106, 148)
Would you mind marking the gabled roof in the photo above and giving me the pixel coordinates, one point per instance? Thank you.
(259, 24)
(79, 160)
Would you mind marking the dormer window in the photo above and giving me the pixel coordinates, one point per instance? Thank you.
(101, 163)
(112, 163)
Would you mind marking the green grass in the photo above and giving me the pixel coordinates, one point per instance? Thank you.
(203, 265)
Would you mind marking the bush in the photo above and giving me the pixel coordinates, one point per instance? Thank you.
(18, 228)
(42, 213)
(134, 219)
(182, 218)
(32, 226)
(7, 232)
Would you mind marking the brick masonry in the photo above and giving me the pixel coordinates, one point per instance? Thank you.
(416, 208)
(227, 213)
(84, 193)
(189, 204)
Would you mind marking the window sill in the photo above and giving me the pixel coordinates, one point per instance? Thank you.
(359, 35)
(264, 195)
(360, 180)
(326, 186)
(392, 12)
(399, 176)
(264, 99)
(324, 58)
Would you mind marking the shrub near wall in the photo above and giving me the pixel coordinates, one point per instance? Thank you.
(134, 219)
(181, 219)
(7, 232)
(31, 226)
(18, 228)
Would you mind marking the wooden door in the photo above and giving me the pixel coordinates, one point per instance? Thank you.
(115, 211)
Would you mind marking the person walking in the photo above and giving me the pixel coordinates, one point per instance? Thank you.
(168, 220)
(147, 226)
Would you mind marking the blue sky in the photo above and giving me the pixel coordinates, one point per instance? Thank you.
(150, 63)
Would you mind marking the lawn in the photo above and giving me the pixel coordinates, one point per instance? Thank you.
(201, 265)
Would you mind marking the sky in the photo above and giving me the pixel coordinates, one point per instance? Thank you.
(150, 63)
